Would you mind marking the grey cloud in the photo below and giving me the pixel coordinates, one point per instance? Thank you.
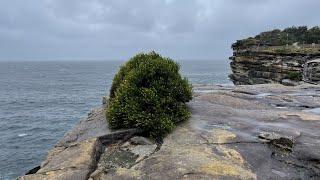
(118, 29)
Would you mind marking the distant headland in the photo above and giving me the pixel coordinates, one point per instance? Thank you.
(288, 56)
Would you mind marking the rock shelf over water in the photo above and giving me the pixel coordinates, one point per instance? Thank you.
(241, 132)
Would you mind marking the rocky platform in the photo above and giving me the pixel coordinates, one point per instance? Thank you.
(237, 132)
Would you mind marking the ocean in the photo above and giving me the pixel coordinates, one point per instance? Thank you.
(41, 101)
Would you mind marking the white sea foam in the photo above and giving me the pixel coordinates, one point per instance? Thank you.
(21, 135)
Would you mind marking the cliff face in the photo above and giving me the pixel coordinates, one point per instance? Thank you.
(311, 71)
(254, 66)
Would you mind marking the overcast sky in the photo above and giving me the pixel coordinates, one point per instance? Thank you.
(118, 29)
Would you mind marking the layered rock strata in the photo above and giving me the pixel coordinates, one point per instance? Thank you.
(311, 72)
(252, 66)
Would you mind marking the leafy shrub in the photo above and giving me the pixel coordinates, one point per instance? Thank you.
(148, 93)
(294, 76)
(127, 67)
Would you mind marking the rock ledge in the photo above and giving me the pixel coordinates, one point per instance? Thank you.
(235, 132)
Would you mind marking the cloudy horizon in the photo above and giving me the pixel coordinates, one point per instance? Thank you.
(118, 29)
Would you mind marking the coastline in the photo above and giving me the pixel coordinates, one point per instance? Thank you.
(230, 124)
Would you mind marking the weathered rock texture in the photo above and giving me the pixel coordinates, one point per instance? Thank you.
(235, 132)
(76, 155)
(74, 162)
(245, 132)
(252, 66)
(311, 72)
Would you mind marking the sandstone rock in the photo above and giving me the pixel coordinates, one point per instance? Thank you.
(120, 157)
(288, 82)
(261, 67)
(76, 155)
(73, 162)
(311, 71)
(117, 158)
(143, 151)
(58, 175)
(139, 140)
(234, 133)
(220, 141)
(95, 125)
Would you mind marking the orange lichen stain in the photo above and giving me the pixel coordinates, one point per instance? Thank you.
(231, 154)
(220, 168)
(128, 172)
(222, 136)
(231, 163)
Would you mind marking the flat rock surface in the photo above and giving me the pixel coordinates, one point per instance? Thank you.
(239, 132)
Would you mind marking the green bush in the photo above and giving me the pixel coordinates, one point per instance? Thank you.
(127, 67)
(148, 93)
(294, 76)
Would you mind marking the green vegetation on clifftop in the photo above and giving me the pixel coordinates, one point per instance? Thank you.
(278, 37)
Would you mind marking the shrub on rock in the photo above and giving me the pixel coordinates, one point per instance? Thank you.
(149, 93)
(295, 76)
(127, 67)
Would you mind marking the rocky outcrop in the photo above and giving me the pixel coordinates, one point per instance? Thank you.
(311, 72)
(245, 132)
(252, 66)
(77, 154)
(72, 162)
(277, 56)
(235, 132)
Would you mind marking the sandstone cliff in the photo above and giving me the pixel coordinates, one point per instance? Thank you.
(263, 65)
(278, 56)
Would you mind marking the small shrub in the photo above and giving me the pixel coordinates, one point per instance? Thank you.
(294, 76)
(149, 93)
(127, 67)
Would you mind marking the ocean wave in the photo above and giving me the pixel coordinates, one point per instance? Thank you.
(22, 135)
